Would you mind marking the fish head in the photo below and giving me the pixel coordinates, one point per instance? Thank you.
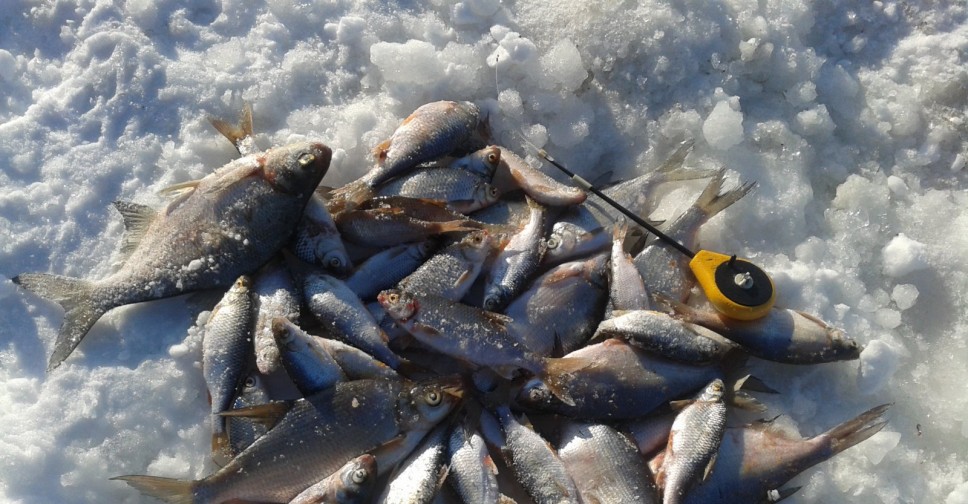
(358, 477)
(563, 239)
(297, 168)
(843, 346)
(282, 332)
(335, 261)
(476, 245)
(401, 306)
(713, 392)
(430, 401)
(497, 298)
(484, 194)
(535, 393)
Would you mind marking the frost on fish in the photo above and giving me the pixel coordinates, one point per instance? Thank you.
(218, 228)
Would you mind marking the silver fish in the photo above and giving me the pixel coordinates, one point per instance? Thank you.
(318, 434)
(666, 270)
(618, 381)
(535, 463)
(561, 308)
(384, 227)
(515, 173)
(472, 471)
(339, 309)
(387, 267)
(225, 225)
(431, 131)
(463, 191)
(317, 240)
(627, 290)
(310, 367)
(355, 363)
(276, 295)
(518, 262)
(665, 335)
(569, 241)
(693, 444)
(351, 484)
(451, 272)
(605, 465)
(226, 346)
(756, 460)
(783, 335)
(418, 479)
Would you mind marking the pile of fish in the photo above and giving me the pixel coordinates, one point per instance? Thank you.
(456, 325)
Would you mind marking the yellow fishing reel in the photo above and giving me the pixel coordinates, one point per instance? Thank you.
(736, 287)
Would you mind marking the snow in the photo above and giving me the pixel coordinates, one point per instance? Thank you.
(849, 116)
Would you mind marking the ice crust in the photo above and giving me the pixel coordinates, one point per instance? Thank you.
(849, 116)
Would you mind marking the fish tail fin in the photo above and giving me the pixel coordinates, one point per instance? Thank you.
(349, 196)
(81, 311)
(672, 168)
(711, 202)
(857, 429)
(557, 372)
(221, 446)
(236, 133)
(170, 490)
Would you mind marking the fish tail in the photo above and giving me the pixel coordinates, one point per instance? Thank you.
(350, 196)
(672, 169)
(170, 490)
(711, 202)
(76, 296)
(235, 132)
(858, 429)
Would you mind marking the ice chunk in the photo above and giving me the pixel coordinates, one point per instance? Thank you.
(878, 362)
(724, 126)
(904, 255)
(904, 295)
(897, 185)
(563, 67)
(880, 444)
(887, 318)
(959, 495)
(413, 62)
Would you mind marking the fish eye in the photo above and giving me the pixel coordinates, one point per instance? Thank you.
(492, 157)
(554, 242)
(249, 381)
(432, 398)
(359, 476)
(335, 262)
(492, 192)
(490, 303)
(306, 159)
(393, 298)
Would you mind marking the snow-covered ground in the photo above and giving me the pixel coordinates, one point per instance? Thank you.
(850, 116)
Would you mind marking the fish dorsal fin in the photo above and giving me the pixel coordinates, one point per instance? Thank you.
(137, 218)
(266, 414)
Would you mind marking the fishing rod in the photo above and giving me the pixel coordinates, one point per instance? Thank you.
(736, 287)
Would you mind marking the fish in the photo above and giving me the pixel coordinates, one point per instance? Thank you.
(518, 262)
(693, 444)
(618, 382)
(220, 227)
(569, 241)
(318, 434)
(354, 483)
(431, 131)
(275, 295)
(473, 473)
(757, 459)
(605, 465)
(385, 227)
(515, 173)
(560, 309)
(311, 368)
(534, 462)
(226, 346)
(462, 191)
(665, 336)
(355, 363)
(666, 270)
(418, 478)
(340, 310)
(482, 163)
(317, 240)
(627, 290)
(782, 335)
(451, 272)
(387, 267)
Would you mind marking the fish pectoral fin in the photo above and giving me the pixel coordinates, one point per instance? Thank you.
(180, 189)
(709, 466)
(500, 320)
(386, 450)
(265, 414)
(167, 489)
(137, 218)
(680, 404)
